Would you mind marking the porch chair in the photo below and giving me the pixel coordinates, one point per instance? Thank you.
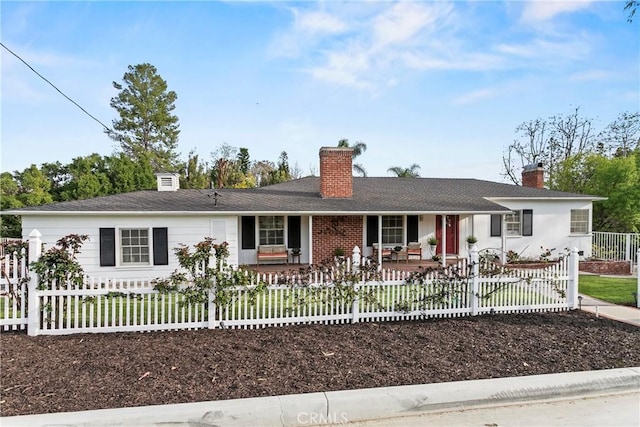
(414, 249)
(386, 252)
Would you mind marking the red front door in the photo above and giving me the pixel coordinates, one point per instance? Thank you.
(451, 234)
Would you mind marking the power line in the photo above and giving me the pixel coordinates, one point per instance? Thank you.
(54, 86)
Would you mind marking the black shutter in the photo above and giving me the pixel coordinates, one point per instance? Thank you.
(412, 228)
(527, 222)
(160, 246)
(107, 247)
(372, 229)
(293, 232)
(496, 225)
(248, 232)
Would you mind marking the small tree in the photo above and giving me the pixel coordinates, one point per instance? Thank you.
(204, 273)
(59, 265)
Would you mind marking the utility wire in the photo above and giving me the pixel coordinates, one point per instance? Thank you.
(54, 86)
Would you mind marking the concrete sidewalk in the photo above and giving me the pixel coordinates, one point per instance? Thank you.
(350, 406)
(606, 309)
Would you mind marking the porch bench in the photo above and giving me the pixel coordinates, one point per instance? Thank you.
(273, 253)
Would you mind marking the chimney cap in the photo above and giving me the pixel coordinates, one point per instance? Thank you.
(323, 149)
(533, 166)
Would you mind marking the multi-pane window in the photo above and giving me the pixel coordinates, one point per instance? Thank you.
(271, 230)
(134, 245)
(392, 230)
(580, 221)
(512, 224)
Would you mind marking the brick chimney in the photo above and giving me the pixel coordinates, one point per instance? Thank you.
(336, 177)
(533, 176)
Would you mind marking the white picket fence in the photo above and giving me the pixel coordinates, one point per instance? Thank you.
(13, 291)
(103, 305)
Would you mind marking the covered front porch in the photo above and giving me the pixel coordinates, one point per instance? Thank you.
(397, 265)
(313, 239)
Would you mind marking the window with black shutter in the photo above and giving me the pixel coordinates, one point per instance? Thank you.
(160, 246)
(107, 247)
(527, 222)
(496, 225)
(248, 225)
(293, 232)
(412, 228)
(372, 230)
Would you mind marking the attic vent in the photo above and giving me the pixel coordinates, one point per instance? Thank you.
(168, 181)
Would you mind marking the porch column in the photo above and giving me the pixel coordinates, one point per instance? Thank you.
(503, 233)
(443, 261)
(379, 242)
(310, 239)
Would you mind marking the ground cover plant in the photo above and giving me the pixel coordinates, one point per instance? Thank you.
(616, 290)
(91, 371)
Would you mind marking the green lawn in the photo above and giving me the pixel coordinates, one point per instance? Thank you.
(610, 289)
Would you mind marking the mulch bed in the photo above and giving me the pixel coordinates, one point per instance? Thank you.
(92, 371)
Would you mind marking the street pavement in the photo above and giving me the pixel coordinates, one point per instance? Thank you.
(614, 410)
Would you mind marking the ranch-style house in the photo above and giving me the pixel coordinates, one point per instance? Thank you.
(132, 235)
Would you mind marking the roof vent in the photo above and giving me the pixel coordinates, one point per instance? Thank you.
(168, 181)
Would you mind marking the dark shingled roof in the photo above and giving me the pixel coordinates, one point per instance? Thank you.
(302, 196)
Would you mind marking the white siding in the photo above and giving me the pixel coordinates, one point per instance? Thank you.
(180, 230)
(551, 229)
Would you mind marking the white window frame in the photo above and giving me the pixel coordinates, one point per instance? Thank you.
(391, 229)
(582, 222)
(122, 246)
(269, 230)
(513, 224)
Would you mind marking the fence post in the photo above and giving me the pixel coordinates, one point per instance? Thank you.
(33, 311)
(211, 306)
(355, 305)
(475, 278)
(572, 288)
(355, 258)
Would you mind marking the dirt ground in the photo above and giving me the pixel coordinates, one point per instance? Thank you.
(92, 371)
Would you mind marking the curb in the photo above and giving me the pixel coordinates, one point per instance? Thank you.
(339, 407)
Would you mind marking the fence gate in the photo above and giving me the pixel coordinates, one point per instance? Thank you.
(616, 247)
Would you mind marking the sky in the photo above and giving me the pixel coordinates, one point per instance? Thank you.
(439, 84)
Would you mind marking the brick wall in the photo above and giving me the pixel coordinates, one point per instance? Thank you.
(336, 176)
(533, 176)
(330, 232)
(618, 268)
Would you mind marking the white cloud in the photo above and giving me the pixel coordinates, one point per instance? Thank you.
(454, 61)
(345, 68)
(544, 10)
(317, 22)
(307, 30)
(476, 95)
(571, 47)
(592, 75)
(406, 20)
(382, 38)
(21, 83)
